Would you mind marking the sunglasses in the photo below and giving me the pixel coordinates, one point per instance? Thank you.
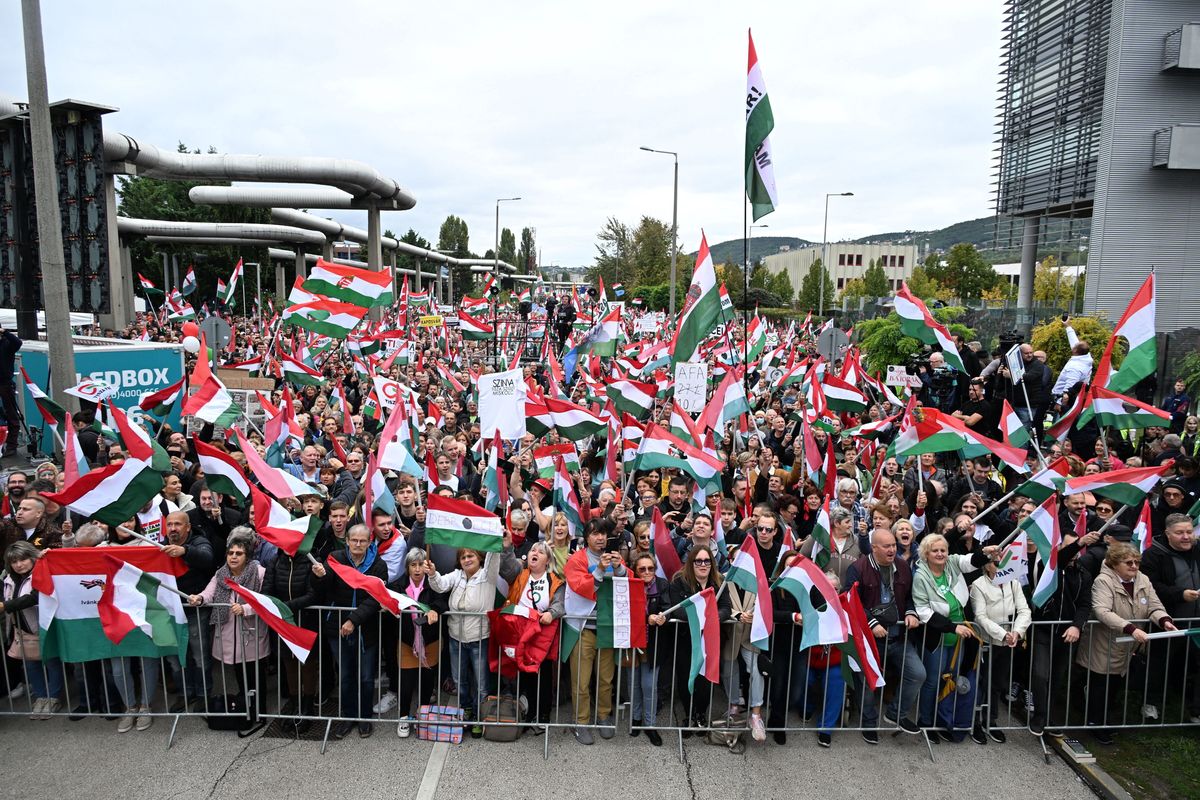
(1132, 562)
(645, 569)
(764, 529)
(703, 562)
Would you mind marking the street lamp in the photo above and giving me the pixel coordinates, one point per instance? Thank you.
(496, 252)
(825, 251)
(674, 220)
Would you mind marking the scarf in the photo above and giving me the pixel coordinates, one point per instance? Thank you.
(413, 590)
(223, 594)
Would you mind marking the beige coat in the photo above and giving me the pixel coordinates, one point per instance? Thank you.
(738, 633)
(1114, 608)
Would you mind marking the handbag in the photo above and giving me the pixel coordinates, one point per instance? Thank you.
(237, 716)
(501, 709)
(25, 646)
(440, 724)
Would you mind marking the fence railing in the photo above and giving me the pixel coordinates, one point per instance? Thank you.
(235, 673)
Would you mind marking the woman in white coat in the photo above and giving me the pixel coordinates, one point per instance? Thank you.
(1002, 617)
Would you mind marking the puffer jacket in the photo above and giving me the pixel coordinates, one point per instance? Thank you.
(1118, 614)
(999, 609)
(472, 597)
(291, 581)
(20, 603)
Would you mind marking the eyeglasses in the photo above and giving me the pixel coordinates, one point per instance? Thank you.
(765, 529)
(1131, 562)
(645, 569)
(703, 562)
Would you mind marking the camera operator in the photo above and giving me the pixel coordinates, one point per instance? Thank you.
(939, 384)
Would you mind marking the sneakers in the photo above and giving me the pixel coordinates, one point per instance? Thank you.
(1103, 737)
(825, 740)
(733, 710)
(977, 734)
(655, 737)
(1014, 693)
(608, 728)
(52, 705)
(584, 736)
(904, 723)
(476, 731)
(144, 719)
(871, 737)
(1149, 712)
(125, 725)
(385, 704)
(17, 692)
(523, 704)
(341, 730)
(39, 705)
(365, 729)
(1037, 725)
(403, 728)
(758, 731)
(1029, 707)
(996, 735)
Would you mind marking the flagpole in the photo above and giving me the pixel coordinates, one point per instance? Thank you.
(1032, 434)
(677, 606)
(746, 294)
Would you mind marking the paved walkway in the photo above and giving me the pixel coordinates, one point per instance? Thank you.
(59, 759)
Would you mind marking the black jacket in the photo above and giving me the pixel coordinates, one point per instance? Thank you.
(217, 533)
(438, 601)
(1071, 602)
(198, 555)
(333, 591)
(291, 581)
(1161, 567)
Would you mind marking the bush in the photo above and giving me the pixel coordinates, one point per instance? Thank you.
(762, 297)
(1052, 338)
(882, 343)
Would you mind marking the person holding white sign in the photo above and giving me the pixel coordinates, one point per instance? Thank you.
(1003, 617)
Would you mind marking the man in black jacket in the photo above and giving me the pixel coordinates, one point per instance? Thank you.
(353, 635)
(1173, 566)
(290, 580)
(1068, 609)
(1036, 384)
(194, 680)
(885, 589)
(211, 518)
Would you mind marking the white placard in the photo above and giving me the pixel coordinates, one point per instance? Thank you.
(646, 324)
(1014, 564)
(897, 375)
(691, 385)
(388, 391)
(502, 404)
(1016, 364)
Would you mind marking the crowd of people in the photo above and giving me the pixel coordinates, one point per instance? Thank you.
(917, 539)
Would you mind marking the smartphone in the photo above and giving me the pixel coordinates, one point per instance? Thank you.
(612, 544)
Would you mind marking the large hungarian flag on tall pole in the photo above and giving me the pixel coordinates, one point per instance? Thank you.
(701, 309)
(760, 171)
(1137, 326)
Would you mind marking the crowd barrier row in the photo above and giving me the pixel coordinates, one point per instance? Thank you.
(235, 680)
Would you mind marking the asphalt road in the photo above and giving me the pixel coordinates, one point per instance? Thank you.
(57, 759)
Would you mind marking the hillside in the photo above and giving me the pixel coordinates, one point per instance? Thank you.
(979, 232)
(760, 247)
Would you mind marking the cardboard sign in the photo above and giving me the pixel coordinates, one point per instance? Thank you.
(897, 375)
(502, 404)
(691, 385)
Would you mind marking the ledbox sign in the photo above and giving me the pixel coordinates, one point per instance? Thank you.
(136, 368)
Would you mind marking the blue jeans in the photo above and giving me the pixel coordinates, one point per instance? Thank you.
(733, 679)
(45, 678)
(469, 665)
(957, 711)
(122, 670)
(903, 657)
(645, 692)
(356, 670)
(829, 683)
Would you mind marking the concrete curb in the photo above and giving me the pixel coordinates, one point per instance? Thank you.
(1100, 782)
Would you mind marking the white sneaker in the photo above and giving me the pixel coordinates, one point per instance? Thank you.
(144, 719)
(385, 704)
(1149, 711)
(758, 731)
(17, 692)
(125, 724)
(523, 704)
(50, 706)
(39, 705)
(403, 728)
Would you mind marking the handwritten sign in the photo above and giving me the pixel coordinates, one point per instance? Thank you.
(691, 385)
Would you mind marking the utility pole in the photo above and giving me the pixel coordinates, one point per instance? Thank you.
(45, 192)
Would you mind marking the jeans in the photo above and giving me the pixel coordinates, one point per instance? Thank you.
(356, 669)
(195, 678)
(469, 665)
(956, 712)
(828, 683)
(645, 693)
(123, 668)
(903, 657)
(733, 679)
(45, 678)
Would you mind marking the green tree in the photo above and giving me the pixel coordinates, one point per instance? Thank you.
(508, 246)
(527, 253)
(1052, 285)
(854, 289)
(614, 254)
(732, 276)
(652, 253)
(634, 256)
(875, 281)
(1051, 337)
(816, 282)
(966, 273)
(760, 277)
(882, 343)
(408, 260)
(454, 238)
(922, 284)
(781, 286)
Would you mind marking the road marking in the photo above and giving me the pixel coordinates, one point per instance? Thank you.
(433, 771)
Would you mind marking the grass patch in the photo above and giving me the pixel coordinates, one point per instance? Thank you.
(1154, 764)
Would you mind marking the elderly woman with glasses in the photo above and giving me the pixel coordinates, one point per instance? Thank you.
(1123, 600)
(698, 573)
(845, 549)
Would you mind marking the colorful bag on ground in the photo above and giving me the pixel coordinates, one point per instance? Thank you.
(440, 724)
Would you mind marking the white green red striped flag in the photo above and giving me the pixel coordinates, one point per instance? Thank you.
(566, 500)
(825, 625)
(222, 474)
(459, 523)
(621, 612)
(747, 573)
(1062, 426)
(917, 322)
(659, 449)
(545, 458)
(274, 523)
(1137, 326)
(133, 599)
(704, 625)
(1112, 410)
(760, 170)
(572, 421)
(1042, 528)
(393, 602)
(278, 617)
(298, 373)
(1127, 486)
(326, 317)
(727, 404)
(160, 403)
(361, 287)
(841, 396)
(147, 285)
(52, 413)
(1143, 530)
(473, 330)
(1047, 481)
(212, 404)
(701, 309)
(859, 650)
(632, 397)
(278, 482)
(1012, 430)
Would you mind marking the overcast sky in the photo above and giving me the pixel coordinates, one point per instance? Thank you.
(463, 103)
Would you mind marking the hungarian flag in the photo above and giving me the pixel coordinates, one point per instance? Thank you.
(1137, 326)
(573, 422)
(659, 450)
(132, 600)
(566, 500)
(760, 170)
(1142, 532)
(326, 317)
(545, 458)
(1127, 486)
(1112, 410)
(621, 612)
(274, 523)
(701, 309)
(222, 474)
(666, 558)
(841, 396)
(917, 322)
(161, 402)
(419, 299)
(728, 403)
(75, 583)
(704, 625)
(278, 617)
(859, 651)
(601, 339)
(181, 311)
(148, 285)
(826, 624)
(231, 293)
(1042, 528)
(459, 523)
(756, 333)
(1062, 426)
(213, 404)
(361, 287)
(52, 413)
(189, 281)
(618, 289)
(473, 330)
(298, 373)
(298, 295)
(1012, 430)
(632, 397)
(389, 600)
(747, 573)
(75, 464)
(1046, 481)
(683, 426)
(927, 430)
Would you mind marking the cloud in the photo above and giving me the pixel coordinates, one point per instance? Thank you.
(466, 102)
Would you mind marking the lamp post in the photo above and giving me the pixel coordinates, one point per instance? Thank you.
(496, 252)
(825, 251)
(674, 220)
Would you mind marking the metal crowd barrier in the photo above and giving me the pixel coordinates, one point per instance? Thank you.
(802, 692)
